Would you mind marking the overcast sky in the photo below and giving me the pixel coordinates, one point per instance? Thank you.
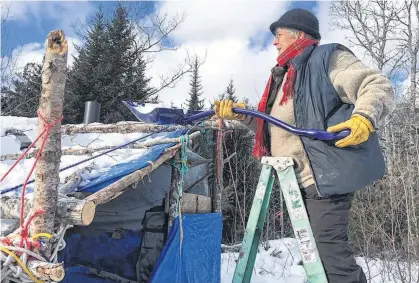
(234, 35)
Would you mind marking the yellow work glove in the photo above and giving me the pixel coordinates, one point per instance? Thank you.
(360, 128)
(224, 110)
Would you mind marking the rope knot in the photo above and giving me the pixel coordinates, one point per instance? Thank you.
(47, 125)
(24, 232)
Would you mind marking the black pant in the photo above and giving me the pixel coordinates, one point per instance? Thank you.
(329, 218)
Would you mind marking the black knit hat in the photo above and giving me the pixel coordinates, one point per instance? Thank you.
(298, 19)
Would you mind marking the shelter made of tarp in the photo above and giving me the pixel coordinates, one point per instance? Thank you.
(196, 258)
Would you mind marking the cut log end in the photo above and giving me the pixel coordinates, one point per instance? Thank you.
(88, 213)
(56, 42)
(47, 271)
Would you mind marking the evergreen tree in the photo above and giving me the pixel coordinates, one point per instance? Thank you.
(109, 69)
(86, 80)
(22, 98)
(195, 103)
(229, 93)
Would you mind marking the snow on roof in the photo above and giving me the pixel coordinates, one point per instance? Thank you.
(9, 144)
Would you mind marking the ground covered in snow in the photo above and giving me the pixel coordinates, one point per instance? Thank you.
(279, 263)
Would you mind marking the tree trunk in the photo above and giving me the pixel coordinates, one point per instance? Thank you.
(51, 108)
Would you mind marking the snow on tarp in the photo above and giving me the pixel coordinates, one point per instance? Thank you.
(116, 172)
(118, 163)
(200, 257)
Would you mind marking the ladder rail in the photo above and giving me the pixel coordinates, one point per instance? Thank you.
(285, 173)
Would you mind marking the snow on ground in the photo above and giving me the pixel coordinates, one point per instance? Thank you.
(10, 145)
(279, 264)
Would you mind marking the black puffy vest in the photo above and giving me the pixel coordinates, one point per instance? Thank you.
(317, 105)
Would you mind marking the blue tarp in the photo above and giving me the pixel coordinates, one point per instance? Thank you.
(118, 171)
(199, 262)
(200, 257)
(81, 274)
(102, 252)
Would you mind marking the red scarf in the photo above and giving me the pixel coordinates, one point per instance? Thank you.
(292, 51)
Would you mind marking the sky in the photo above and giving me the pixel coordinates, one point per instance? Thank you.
(233, 35)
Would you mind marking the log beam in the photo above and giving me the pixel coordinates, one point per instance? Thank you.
(117, 188)
(137, 127)
(69, 210)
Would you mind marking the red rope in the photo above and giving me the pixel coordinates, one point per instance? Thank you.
(44, 134)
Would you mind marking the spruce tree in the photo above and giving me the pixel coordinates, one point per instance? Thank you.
(109, 69)
(86, 80)
(22, 98)
(229, 93)
(194, 103)
(127, 78)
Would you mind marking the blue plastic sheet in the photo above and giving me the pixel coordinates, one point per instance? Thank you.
(199, 259)
(118, 256)
(116, 172)
(81, 274)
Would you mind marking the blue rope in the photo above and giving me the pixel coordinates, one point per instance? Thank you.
(182, 169)
(85, 160)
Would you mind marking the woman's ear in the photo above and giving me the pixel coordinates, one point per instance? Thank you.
(301, 35)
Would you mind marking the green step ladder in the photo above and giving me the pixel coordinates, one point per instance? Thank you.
(284, 167)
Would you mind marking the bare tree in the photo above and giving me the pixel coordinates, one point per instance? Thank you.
(409, 37)
(8, 62)
(387, 31)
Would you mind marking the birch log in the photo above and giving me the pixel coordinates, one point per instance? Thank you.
(90, 151)
(137, 127)
(69, 210)
(114, 190)
(51, 108)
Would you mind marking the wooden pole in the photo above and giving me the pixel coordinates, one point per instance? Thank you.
(135, 127)
(117, 188)
(218, 176)
(51, 108)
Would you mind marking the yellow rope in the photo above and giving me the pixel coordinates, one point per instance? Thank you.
(21, 265)
(47, 235)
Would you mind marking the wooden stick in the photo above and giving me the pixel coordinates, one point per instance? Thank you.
(137, 127)
(69, 210)
(114, 190)
(89, 151)
(47, 178)
(173, 193)
(218, 172)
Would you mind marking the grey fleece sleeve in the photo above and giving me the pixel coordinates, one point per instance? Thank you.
(366, 88)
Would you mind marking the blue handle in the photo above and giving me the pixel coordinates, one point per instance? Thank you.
(316, 134)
